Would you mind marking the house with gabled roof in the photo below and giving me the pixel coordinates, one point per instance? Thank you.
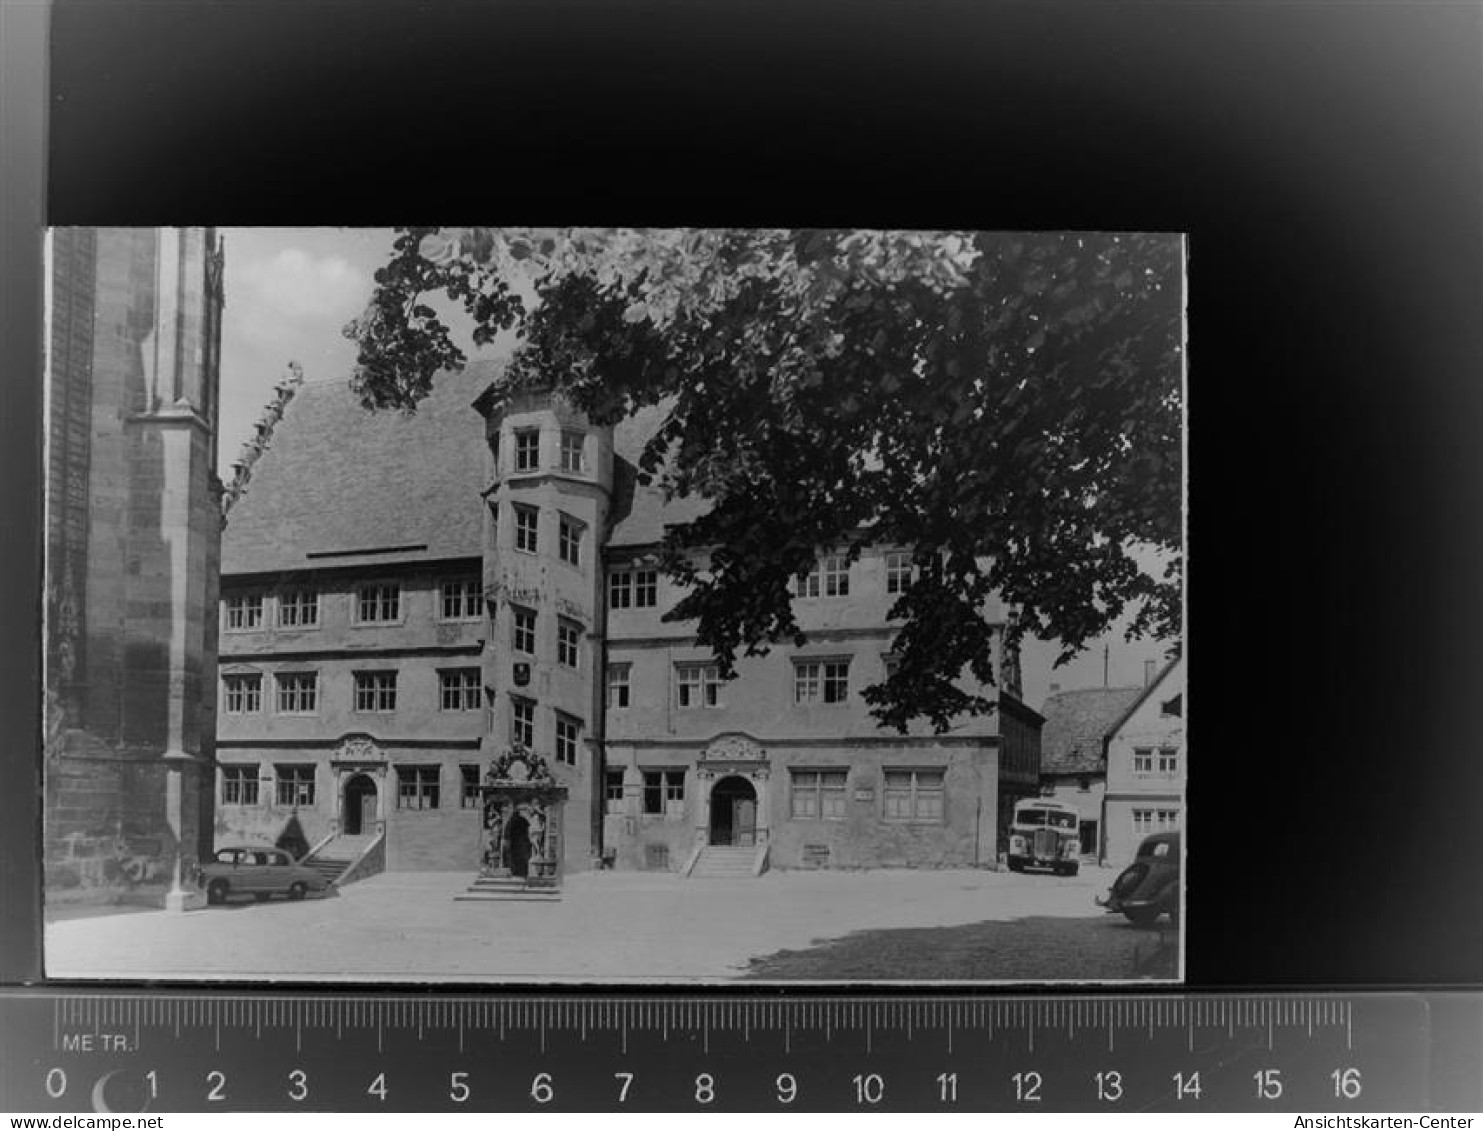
(1072, 750)
(1147, 765)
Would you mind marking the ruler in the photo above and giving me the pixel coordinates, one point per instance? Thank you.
(68, 1050)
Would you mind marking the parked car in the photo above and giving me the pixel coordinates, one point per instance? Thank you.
(1043, 834)
(260, 872)
(1149, 886)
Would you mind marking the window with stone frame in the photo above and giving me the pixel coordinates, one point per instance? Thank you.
(375, 692)
(295, 785)
(914, 795)
(239, 785)
(244, 612)
(821, 681)
(461, 599)
(522, 721)
(468, 794)
(417, 787)
(527, 524)
(569, 540)
(527, 449)
(829, 577)
(818, 795)
(568, 733)
(633, 589)
(298, 608)
(458, 689)
(378, 604)
(617, 690)
(523, 630)
(898, 572)
(664, 793)
(1142, 760)
(298, 693)
(242, 693)
(612, 791)
(568, 634)
(697, 685)
(571, 452)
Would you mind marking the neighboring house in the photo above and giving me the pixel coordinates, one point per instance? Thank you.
(1146, 766)
(539, 515)
(132, 542)
(1072, 745)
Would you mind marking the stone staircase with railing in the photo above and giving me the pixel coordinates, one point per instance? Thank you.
(334, 857)
(725, 862)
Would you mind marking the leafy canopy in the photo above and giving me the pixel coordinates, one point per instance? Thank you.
(1006, 406)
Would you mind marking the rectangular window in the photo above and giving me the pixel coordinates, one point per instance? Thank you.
(664, 793)
(242, 693)
(567, 730)
(461, 599)
(914, 795)
(526, 521)
(468, 795)
(819, 794)
(523, 638)
(568, 632)
(821, 681)
(1168, 760)
(522, 722)
(1165, 819)
(612, 789)
(1142, 760)
(617, 697)
(375, 691)
(378, 604)
(239, 785)
(298, 609)
(244, 613)
(417, 787)
(571, 452)
(1142, 822)
(898, 572)
(633, 589)
(295, 785)
(459, 689)
(808, 584)
(699, 685)
(527, 449)
(569, 544)
(298, 693)
(836, 570)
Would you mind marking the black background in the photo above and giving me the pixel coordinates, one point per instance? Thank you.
(1323, 158)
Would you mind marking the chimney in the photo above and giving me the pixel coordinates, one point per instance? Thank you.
(1148, 671)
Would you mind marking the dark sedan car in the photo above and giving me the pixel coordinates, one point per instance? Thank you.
(260, 872)
(1149, 886)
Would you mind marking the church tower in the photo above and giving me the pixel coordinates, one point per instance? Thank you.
(133, 518)
(548, 495)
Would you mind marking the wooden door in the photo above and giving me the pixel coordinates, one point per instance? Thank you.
(744, 823)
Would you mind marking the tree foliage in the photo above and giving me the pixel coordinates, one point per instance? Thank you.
(1006, 406)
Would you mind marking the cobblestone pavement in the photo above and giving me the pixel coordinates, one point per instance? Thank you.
(608, 927)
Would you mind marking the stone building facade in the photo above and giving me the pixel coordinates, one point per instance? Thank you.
(132, 555)
(658, 759)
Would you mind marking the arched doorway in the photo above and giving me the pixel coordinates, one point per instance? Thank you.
(360, 805)
(517, 846)
(734, 813)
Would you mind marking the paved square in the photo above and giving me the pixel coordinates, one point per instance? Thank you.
(609, 927)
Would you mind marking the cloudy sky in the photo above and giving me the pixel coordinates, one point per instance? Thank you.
(289, 292)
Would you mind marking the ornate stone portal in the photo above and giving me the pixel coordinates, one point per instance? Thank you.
(732, 756)
(522, 805)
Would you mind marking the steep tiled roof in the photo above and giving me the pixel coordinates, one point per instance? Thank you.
(641, 513)
(338, 478)
(1076, 722)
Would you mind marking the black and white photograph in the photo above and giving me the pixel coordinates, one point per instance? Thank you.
(615, 605)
